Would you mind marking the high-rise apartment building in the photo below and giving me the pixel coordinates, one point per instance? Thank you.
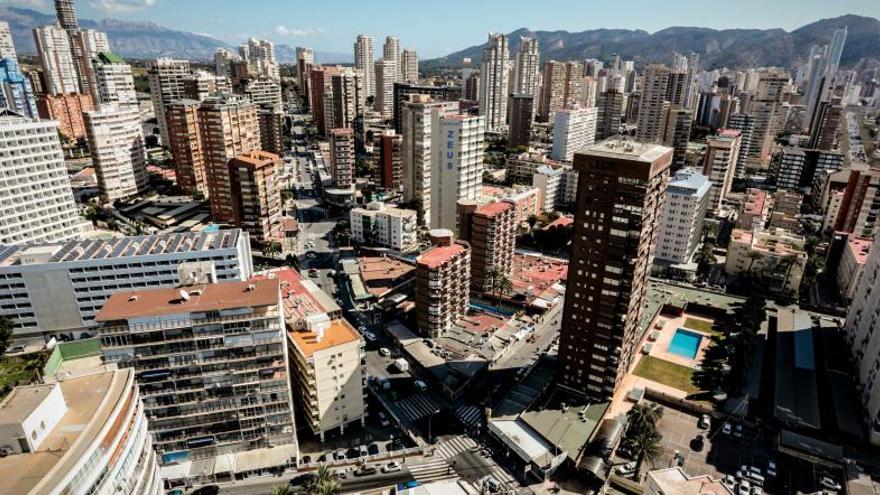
(256, 193)
(260, 58)
(185, 144)
(342, 159)
(16, 92)
(7, 47)
(202, 84)
(68, 110)
(119, 154)
(36, 202)
(211, 363)
(85, 432)
(409, 66)
(442, 284)
(66, 14)
(490, 230)
(420, 115)
(494, 75)
(745, 124)
(113, 83)
(321, 96)
(525, 67)
(229, 127)
(262, 90)
(56, 57)
(167, 83)
(825, 133)
(662, 89)
(610, 114)
(403, 92)
(574, 130)
(777, 253)
(682, 216)
(765, 110)
(363, 61)
(87, 44)
(522, 108)
(272, 128)
(59, 287)
(720, 164)
(621, 186)
(349, 98)
(387, 158)
(223, 60)
(304, 58)
(562, 84)
(677, 132)
(457, 173)
(386, 76)
(391, 52)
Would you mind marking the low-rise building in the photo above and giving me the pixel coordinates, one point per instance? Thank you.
(549, 181)
(777, 254)
(675, 481)
(754, 210)
(381, 225)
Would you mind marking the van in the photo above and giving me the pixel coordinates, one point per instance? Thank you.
(492, 484)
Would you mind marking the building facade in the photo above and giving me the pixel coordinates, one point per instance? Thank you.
(494, 74)
(490, 230)
(719, 164)
(118, 150)
(682, 217)
(387, 158)
(574, 130)
(342, 158)
(167, 78)
(777, 255)
(381, 225)
(442, 284)
(457, 147)
(68, 110)
(185, 144)
(522, 108)
(256, 194)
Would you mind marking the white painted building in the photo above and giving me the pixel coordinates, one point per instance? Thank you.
(363, 61)
(114, 83)
(50, 289)
(80, 435)
(720, 164)
(7, 47)
(56, 58)
(526, 67)
(682, 216)
(494, 75)
(574, 130)
(548, 181)
(383, 225)
(386, 76)
(409, 61)
(167, 78)
(36, 201)
(457, 172)
(118, 150)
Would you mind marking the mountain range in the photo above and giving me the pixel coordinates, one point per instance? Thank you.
(734, 48)
(142, 40)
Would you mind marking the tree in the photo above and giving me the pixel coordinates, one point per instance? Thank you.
(645, 446)
(5, 334)
(283, 489)
(324, 482)
(753, 256)
(644, 416)
(271, 249)
(532, 220)
(499, 282)
(706, 261)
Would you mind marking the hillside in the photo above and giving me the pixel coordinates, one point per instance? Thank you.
(735, 48)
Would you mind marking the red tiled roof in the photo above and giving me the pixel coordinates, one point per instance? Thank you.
(559, 222)
(438, 255)
(297, 300)
(492, 209)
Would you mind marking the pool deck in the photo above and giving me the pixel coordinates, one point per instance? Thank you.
(670, 325)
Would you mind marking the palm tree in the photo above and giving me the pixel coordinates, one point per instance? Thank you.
(646, 447)
(499, 282)
(753, 255)
(643, 417)
(324, 482)
(271, 249)
(281, 490)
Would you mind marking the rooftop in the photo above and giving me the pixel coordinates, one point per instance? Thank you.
(674, 481)
(380, 273)
(755, 201)
(559, 222)
(300, 297)
(338, 332)
(495, 208)
(438, 255)
(860, 249)
(623, 147)
(22, 401)
(200, 298)
(257, 158)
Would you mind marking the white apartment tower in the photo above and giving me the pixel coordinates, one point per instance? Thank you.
(574, 130)
(386, 75)
(525, 68)
(167, 78)
(391, 51)
(720, 163)
(118, 151)
(7, 47)
(114, 83)
(457, 148)
(36, 202)
(682, 216)
(409, 62)
(363, 61)
(56, 58)
(88, 44)
(493, 82)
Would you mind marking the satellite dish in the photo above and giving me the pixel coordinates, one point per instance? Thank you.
(184, 295)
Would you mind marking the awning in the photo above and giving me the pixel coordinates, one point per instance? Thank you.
(264, 458)
(177, 471)
(202, 467)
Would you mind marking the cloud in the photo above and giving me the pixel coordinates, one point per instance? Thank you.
(120, 6)
(290, 32)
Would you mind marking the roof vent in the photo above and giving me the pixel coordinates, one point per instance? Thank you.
(133, 297)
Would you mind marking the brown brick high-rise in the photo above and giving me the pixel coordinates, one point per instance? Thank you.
(621, 184)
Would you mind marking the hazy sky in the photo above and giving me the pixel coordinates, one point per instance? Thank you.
(438, 27)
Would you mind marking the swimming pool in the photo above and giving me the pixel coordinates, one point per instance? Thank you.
(685, 343)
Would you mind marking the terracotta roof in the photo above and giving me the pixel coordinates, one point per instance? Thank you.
(438, 255)
(297, 300)
(492, 209)
(860, 249)
(203, 297)
(339, 332)
(559, 222)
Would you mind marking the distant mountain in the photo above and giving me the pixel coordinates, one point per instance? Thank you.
(735, 48)
(138, 40)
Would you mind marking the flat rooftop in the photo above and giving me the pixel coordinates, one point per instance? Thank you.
(299, 297)
(204, 297)
(628, 148)
(674, 481)
(859, 249)
(380, 274)
(22, 401)
(339, 332)
(438, 255)
(90, 402)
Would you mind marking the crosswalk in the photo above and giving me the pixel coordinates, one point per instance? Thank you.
(469, 415)
(456, 445)
(432, 470)
(417, 406)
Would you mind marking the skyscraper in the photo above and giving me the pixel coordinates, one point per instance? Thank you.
(574, 130)
(118, 151)
(16, 93)
(185, 145)
(610, 114)
(720, 164)
(525, 68)
(391, 52)
(7, 48)
(114, 82)
(493, 82)
(562, 84)
(167, 83)
(409, 62)
(387, 157)
(363, 61)
(260, 58)
(457, 148)
(682, 216)
(66, 13)
(349, 99)
(305, 57)
(256, 193)
(521, 114)
(663, 88)
(621, 184)
(386, 75)
(342, 159)
(56, 58)
(745, 124)
(37, 201)
(87, 44)
(229, 127)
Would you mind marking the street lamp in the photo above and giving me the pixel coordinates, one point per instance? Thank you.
(431, 419)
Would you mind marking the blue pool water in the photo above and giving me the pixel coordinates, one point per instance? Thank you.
(685, 343)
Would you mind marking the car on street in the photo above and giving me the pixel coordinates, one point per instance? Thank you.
(757, 490)
(370, 336)
(391, 467)
(830, 483)
(738, 431)
(729, 481)
(373, 448)
(341, 473)
(362, 451)
(383, 419)
(726, 429)
(306, 459)
(366, 471)
(384, 352)
(422, 386)
(313, 273)
(339, 455)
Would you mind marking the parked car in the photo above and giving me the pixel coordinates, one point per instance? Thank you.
(362, 451)
(757, 490)
(339, 454)
(383, 419)
(391, 467)
(745, 488)
(422, 386)
(302, 479)
(384, 352)
(729, 481)
(705, 422)
(738, 431)
(373, 448)
(366, 471)
(830, 483)
(726, 429)
(627, 469)
(771, 468)
(370, 337)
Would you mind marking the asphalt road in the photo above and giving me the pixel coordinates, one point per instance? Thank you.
(352, 484)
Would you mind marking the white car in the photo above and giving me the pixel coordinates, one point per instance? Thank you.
(830, 483)
(370, 336)
(391, 467)
(384, 352)
(729, 481)
(757, 490)
(627, 469)
(726, 428)
(744, 488)
(771, 468)
(705, 422)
